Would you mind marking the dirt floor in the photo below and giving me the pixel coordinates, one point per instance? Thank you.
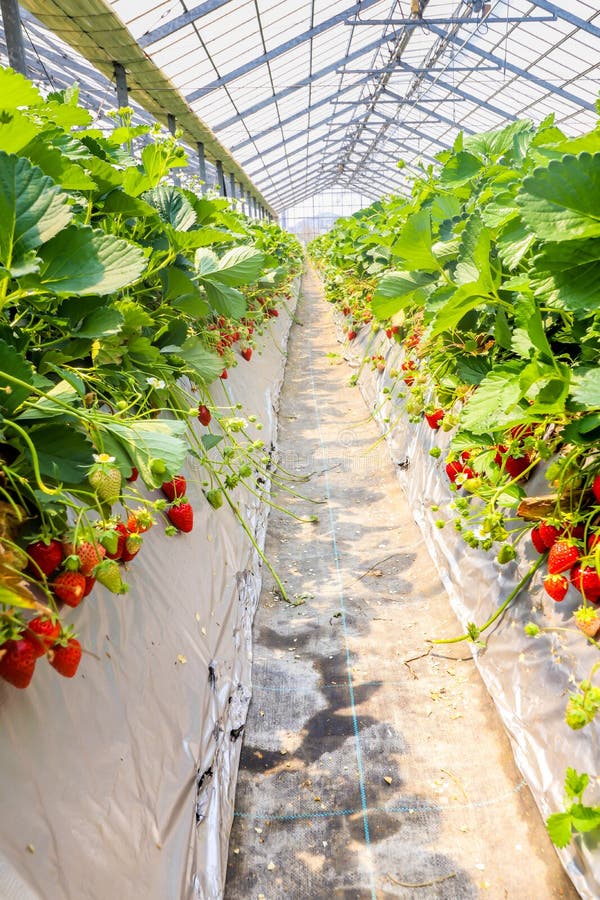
(371, 767)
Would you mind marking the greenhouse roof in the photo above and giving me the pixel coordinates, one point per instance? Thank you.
(307, 95)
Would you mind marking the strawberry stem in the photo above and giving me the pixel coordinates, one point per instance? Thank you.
(474, 631)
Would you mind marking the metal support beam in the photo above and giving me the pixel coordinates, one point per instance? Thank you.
(121, 84)
(187, 18)
(451, 20)
(478, 101)
(171, 123)
(398, 69)
(276, 127)
(401, 101)
(221, 178)
(13, 34)
(326, 70)
(201, 165)
(232, 186)
(561, 13)
(516, 70)
(276, 52)
(301, 134)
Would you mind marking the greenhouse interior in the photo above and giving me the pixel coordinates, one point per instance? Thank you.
(299, 450)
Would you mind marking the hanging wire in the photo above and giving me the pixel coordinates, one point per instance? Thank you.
(38, 57)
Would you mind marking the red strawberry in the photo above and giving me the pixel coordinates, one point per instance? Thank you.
(132, 547)
(556, 586)
(17, 664)
(140, 520)
(89, 585)
(69, 587)
(346, 310)
(453, 469)
(89, 555)
(563, 556)
(274, 313)
(536, 540)
(549, 533)
(123, 533)
(134, 474)
(389, 333)
(182, 516)
(204, 415)
(46, 557)
(516, 465)
(66, 659)
(593, 541)
(174, 488)
(42, 632)
(587, 581)
(224, 374)
(408, 367)
(351, 335)
(434, 419)
(247, 353)
(596, 488)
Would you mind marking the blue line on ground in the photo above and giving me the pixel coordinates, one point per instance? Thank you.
(336, 556)
(417, 808)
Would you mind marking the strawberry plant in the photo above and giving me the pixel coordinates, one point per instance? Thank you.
(121, 299)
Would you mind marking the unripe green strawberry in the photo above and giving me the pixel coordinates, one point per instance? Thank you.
(215, 498)
(105, 478)
(109, 574)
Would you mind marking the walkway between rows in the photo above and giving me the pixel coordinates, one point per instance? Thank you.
(370, 768)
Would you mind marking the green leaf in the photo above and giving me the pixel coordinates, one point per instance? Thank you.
(414, 243)
(473, 369)
(559, 828)
(460, 169)
(82, 261)
(445, 206)
(124, 204)
(586, 389)
(502, 332)
(494, 401)
(47, 407)
(206, 262)
(32, 208)
(513, 242)
(575, 783)
(16, 132)
(16, 90)
(573, 289)
(560, 202)
(13, 363)
(226, 300)
(474, 256)
(495, 143)
(462, 301)
(239, 266)
(184, 241)
(64, 454)
(172, 206)
(211, 440)
(205, 365)
(530, 333)
(147, 441)
(584, 431)
(101, 323)
(584, 818)
(396, 291)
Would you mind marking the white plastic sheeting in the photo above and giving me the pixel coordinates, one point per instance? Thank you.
(120, 783)
(528, 678)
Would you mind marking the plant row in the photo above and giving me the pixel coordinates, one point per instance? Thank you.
(488, 277)
(124, 293)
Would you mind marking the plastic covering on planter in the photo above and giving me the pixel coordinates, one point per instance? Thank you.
(528, 678)
(120, 783)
